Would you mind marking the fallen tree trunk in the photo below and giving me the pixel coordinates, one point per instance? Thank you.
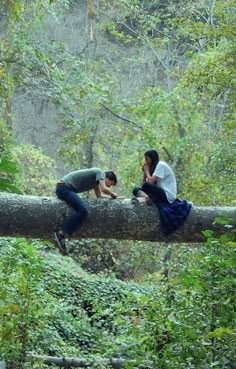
(66, 362)
(37, 217)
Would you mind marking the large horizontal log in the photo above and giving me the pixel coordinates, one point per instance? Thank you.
(37, 217)
(67, 362)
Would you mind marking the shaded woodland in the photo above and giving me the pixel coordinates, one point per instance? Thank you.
(96, 83)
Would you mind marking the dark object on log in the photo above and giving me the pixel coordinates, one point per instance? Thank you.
(37, 217)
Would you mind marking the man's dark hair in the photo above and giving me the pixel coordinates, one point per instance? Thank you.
(111, 175)
(154, 156)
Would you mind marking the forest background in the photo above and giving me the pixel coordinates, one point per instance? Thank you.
(96, 83)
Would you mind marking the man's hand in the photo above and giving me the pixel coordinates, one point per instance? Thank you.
(114, 195)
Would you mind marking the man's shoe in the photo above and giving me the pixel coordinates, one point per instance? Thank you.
(60, 241)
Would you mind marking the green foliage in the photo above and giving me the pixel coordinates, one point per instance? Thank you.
(126, 260)
(37, 172)
(185, 316)
(184, 107)
(182, 111)
(8, 168)
(20, 273)
(192, 47)
(77, 319)
(5, 139)
(25, 61)
(191, 321)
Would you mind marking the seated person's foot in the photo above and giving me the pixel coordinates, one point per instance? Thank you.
(60, 241)
(134, 200)
(138, 200)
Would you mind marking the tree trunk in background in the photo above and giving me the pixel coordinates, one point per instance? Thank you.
(37, 217)
(166, 263)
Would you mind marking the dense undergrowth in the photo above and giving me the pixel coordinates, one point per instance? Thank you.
(49, 305)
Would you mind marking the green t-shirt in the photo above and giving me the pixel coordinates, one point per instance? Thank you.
(84, 179)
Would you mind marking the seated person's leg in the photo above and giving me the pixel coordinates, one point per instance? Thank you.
(155, 194)
(137, 192)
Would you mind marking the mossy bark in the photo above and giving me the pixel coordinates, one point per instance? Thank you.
(37, 217)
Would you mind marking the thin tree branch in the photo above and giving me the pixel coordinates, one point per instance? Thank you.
(7, 61)
(147, 41)
(211, 11)
(122, 118)
(83, 50)
(170, 157)
(201, 15)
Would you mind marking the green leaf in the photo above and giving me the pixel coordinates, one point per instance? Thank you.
(7, 166)
(8, 186)
(231, 244)
(224, 220)
(207, 233)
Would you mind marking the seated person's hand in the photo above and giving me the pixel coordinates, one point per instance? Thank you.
(145, 167)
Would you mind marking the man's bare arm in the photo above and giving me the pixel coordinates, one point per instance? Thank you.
(97, 192)
(105, 189)
(100, 195)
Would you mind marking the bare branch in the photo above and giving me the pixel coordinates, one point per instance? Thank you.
(7, 61)
(122, 118)
(170, 157)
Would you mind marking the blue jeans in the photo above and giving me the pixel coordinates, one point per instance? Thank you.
(156, 194)
(71, 198)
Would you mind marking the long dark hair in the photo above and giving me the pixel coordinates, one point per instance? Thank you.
(153, 155)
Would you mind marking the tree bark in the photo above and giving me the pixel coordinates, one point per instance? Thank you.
(37, 217)
(67, 362)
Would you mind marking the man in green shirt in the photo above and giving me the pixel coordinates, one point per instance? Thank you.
(76, 182)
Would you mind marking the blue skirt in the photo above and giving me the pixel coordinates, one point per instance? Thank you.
(173, 215)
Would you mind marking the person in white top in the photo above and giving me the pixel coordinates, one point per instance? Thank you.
(159, 183)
